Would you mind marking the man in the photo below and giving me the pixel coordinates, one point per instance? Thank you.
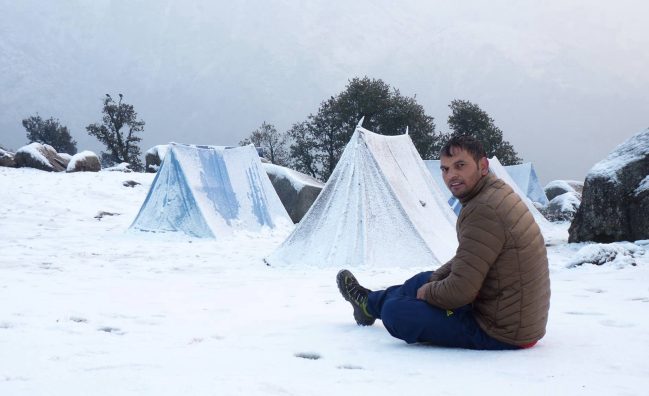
(494, 293)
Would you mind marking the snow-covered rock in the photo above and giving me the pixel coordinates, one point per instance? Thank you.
(558, 187)
(85, 161)
(154, 156)
(615, 200)
(562, 207)
(7, 158)
(618, 254)
(296, 190)
(40, 156)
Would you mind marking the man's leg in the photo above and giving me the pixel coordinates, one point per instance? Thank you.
(377, 299)
(414, 320)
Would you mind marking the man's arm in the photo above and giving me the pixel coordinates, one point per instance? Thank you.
(481, 240)
(441, 273)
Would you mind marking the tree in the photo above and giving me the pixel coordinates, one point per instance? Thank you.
(383, 109)
(118, 133)
(50, 132)
(301, 156)
(469, 119)
(272, 142)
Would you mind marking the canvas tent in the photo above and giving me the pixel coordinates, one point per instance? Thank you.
(525, 177)
(380, 208)
(210, 192)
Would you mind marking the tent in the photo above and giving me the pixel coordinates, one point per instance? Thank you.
(525, 177)
(380, 208)
(210, 191)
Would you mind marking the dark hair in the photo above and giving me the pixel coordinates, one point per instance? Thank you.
(465, 142)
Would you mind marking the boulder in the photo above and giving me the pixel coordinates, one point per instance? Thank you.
(40, 156)
(296, 190)
(85, 161)
(615, 199)
(154, 156)
(7, 158)
(558, 187)
(563, 207)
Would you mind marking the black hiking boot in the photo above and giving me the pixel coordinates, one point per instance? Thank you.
(356, 295)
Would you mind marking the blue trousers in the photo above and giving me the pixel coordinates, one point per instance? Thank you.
(412, 320)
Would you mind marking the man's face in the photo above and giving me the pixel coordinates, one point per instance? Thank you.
(461, 172)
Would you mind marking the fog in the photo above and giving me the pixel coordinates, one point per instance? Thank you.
(566, 81)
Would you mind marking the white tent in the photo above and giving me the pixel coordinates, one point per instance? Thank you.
(210, 191)
(525, 177)
(380, 207)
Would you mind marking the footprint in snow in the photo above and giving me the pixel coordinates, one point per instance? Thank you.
(78, 319)
(350, 367)
(308, 355)
(112, 330)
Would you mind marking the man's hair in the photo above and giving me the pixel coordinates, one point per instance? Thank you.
(464, 142)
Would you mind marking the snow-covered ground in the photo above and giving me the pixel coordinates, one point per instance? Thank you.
(88, 308)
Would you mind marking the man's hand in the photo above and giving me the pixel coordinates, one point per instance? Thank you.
(421, 292)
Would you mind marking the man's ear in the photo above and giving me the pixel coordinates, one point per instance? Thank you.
(483, 164)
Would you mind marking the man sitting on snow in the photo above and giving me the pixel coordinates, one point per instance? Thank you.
(494, 293)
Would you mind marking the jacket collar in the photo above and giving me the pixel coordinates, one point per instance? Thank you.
(484, 180)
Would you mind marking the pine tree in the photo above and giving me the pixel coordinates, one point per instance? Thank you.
(50, 132)
(469, 119)
(118, 133)
(383, 109)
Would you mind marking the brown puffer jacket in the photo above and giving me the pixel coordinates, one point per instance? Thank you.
(500, 266)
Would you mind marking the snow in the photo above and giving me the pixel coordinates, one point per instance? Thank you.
(81, 156)
(633, 149)
(121, 167)
(643, 186)
(33, 150)
(562, 184)
(568, 201)
(89, 309)
(298, 180)
(618, 254)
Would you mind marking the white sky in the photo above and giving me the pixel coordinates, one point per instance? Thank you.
(565, 80)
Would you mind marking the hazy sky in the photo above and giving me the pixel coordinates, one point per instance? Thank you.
(565, 80)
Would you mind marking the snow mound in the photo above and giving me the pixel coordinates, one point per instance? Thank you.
(298, 180)
(123, 167)
(618, 254)
(633, 149)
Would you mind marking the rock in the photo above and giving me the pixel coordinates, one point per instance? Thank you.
(85, 161)
(40, 156)
(130, 183)
(562, 207)
(615, 199)
(296, 190)
(7, 158)
(558, 187)
(154, 156)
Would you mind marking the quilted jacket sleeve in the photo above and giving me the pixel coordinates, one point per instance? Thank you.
(481, 237)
